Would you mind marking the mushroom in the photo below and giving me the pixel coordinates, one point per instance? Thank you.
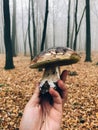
(51, 60)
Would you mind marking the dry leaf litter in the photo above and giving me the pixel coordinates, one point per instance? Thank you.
(80, 112)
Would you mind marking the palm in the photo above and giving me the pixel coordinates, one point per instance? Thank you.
(52, 115)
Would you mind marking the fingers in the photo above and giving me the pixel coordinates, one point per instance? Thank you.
(64, 75)
(62, 85)
(55, 95)
(63, 89)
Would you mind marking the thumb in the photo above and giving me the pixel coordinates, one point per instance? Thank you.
(64, 75)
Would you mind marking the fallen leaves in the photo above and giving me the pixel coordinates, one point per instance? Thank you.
(82, 104)
(16, 88)
(17, 85)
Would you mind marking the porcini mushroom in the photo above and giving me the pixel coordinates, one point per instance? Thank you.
(51, 60)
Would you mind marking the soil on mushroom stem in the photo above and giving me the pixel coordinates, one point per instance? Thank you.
(81, 109)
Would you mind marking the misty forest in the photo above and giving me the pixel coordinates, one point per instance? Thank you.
(28, 27)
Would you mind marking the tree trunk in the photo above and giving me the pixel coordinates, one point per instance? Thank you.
(88, 32)
(23, 28)
(76, 25)
(72, 36)
(53, 25)
(34, 31)
(45, 27)
(14, 28)
(68, 24)
(29, 37)
(7, 37)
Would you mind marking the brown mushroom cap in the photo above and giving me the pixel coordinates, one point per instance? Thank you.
(57, 56)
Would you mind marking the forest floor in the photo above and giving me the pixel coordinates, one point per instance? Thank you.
(80, 110)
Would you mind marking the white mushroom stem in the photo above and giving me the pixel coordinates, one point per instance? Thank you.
(50, 77)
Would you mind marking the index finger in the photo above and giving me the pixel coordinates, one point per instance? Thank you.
(63, 89)
(64, 75)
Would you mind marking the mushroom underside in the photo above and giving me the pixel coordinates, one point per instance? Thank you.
(56, 62)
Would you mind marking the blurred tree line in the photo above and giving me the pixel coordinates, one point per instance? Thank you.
(10, 32)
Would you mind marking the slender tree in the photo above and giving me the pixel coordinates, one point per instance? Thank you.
(14, 28)
(23, 27)
(88, 32)
(7, 37)
(34, 30)
(68, 23)
(29, 37)
(72, 36)
(45, 26)
(77, 26)
(53, 24)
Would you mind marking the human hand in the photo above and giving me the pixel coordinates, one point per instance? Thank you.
(40, 114)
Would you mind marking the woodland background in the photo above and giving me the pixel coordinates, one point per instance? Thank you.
(28, 27)
(33, 26)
